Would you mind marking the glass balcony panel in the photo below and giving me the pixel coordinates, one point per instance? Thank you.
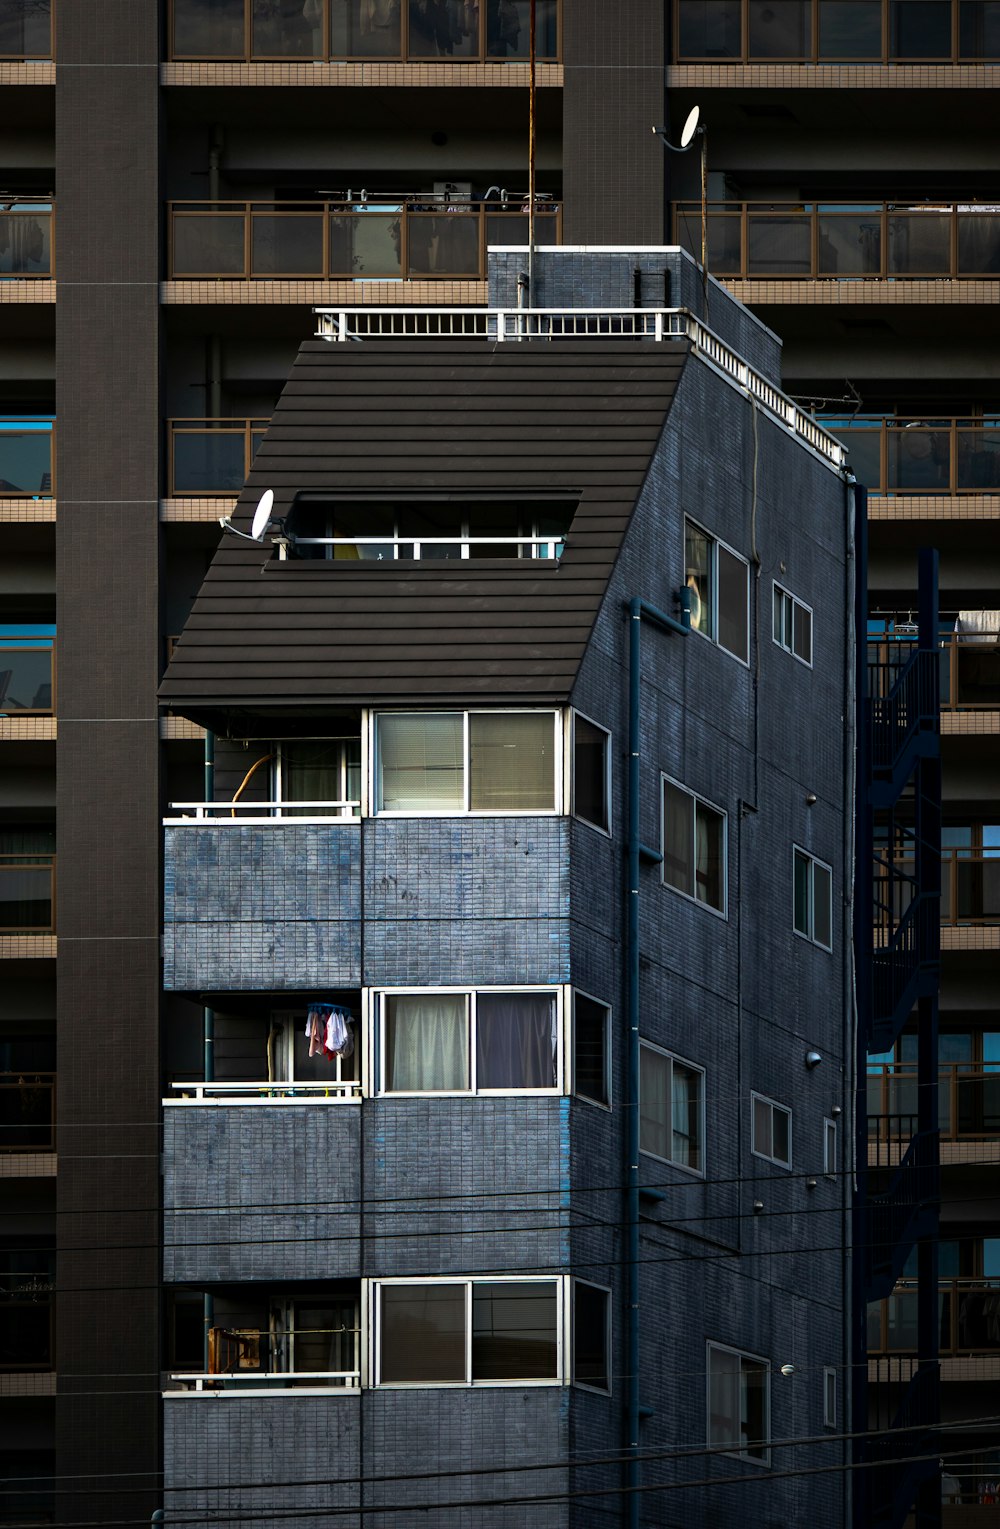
(26, 1112)
(978, 675)
(901, 1321)
(365, 244)
(444, 244)
(978, 242)
(979, 459)
(990, 1124)
(25, 29)
(919, 244)
(875, 1327)
(208, 244)
(25, 1330)
(25, 678)
(902, 1093)
(361, 29)
(26, 242)
(512, 228)
(25, 894)
(920, 459)
(508, 29)
(876, 1102)
(864, 454)
(979, 29)
(709, 29)
(779, 245)
(287, 29)
(286, 244)
(208, 29)
(444, 29)
(978, 1319)
(920, 29)
(723, 239)
(850, 30)
(850, 243)
(25, 460)
(209, 461)
(780, 29)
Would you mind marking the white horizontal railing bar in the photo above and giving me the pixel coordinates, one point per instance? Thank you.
(333, 1092)
(427, 541)
(227, 813)
(345, 1379)
(658, 324)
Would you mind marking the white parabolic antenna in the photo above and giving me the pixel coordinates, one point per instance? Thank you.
(690, 126)
(262, 515)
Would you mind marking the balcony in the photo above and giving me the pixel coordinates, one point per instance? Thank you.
(27, 671)
(272, 1343)
(836, 32)
(27, 892)
(968, 1101)
(969, 1316)
(27, 1112)
(25, 29)
(26, 239)
(969, 663)
(906, 455)
(394, 238)
(363, 30)
(828, 241)
(27, 1284)
(207, 458)
(26, 454)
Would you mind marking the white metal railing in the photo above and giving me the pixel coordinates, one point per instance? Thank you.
(197, 814)
(332, 1091)
(232, 1383)
(512, 324)
(554, 544)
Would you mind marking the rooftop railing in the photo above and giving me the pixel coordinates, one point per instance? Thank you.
(25, 29)
(385, 30)
(26, 238)
(26, 455)
(387, 238)
(206, 457)
(268, 814)
(968, 1099)
(836, 31)
(874, 241)
(969, 1316)
(27, 1111)
(907, 455)
(430, 548)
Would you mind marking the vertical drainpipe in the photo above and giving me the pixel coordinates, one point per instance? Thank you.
(637, 609)
(208, 1023)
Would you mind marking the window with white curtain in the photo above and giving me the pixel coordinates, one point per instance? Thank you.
(470, 1042)
(694, 846)
(466, 761)
(671, 1108)
(738, 1403)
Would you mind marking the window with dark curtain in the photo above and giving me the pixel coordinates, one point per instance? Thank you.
(516, 1040)
(423, 1333)
(514, 1331)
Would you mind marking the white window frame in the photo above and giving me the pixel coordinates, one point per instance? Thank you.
(829, 1396)
(779, 590)
(377, 1030)
(585, 1385)
(717, 542)
(773, 1105)
(763, 1459)
(672, 1057)
(831, 1148)
(600, 1104)
(814, 862)
(702, 801)
(597, 827)
(373, 793)
(563, 1345)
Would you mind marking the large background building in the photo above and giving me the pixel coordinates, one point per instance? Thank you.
(182, 182)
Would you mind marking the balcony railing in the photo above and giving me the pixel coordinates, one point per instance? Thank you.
(876, 241)
(26, 454)
(27, 1111)
(968, 1099)
(393, 238)
(252, 1359)
(211, 456)
(905, 455)
(25, 29)
(380, 549)
(27, 894)
(362, 29)
(836, 31)
(26, 1315)
(235, 814)
(26, 238)
(969, 1314)
(970, 888)
(27, 673)
(969, 667)
(331, 1091)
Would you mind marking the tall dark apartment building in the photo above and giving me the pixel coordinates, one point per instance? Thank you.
(228, 1258)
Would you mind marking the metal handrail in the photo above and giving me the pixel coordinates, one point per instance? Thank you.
(416, 542)
(845, 241)
(201, 813)
(333, 1091)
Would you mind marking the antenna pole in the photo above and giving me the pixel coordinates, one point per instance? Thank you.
(532, 129)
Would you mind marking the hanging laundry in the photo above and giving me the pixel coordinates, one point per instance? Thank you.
(328, 1031)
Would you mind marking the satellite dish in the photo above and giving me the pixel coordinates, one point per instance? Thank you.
(690, 126)
(262, 515)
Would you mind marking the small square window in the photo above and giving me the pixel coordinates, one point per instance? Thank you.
(812, 914)
(591, 773)
(771, 1131)
(591, 1057)
(694, 847)
(792, 629)
(591, 1336)
(671, 1108)
(719, 583)
(738, 1403)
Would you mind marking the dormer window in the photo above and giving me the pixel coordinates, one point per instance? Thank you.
(426, 530)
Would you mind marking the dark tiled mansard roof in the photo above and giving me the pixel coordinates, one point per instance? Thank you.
(578, 420)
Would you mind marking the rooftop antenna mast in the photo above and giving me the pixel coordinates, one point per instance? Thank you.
(532, 131)
(694, 128)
